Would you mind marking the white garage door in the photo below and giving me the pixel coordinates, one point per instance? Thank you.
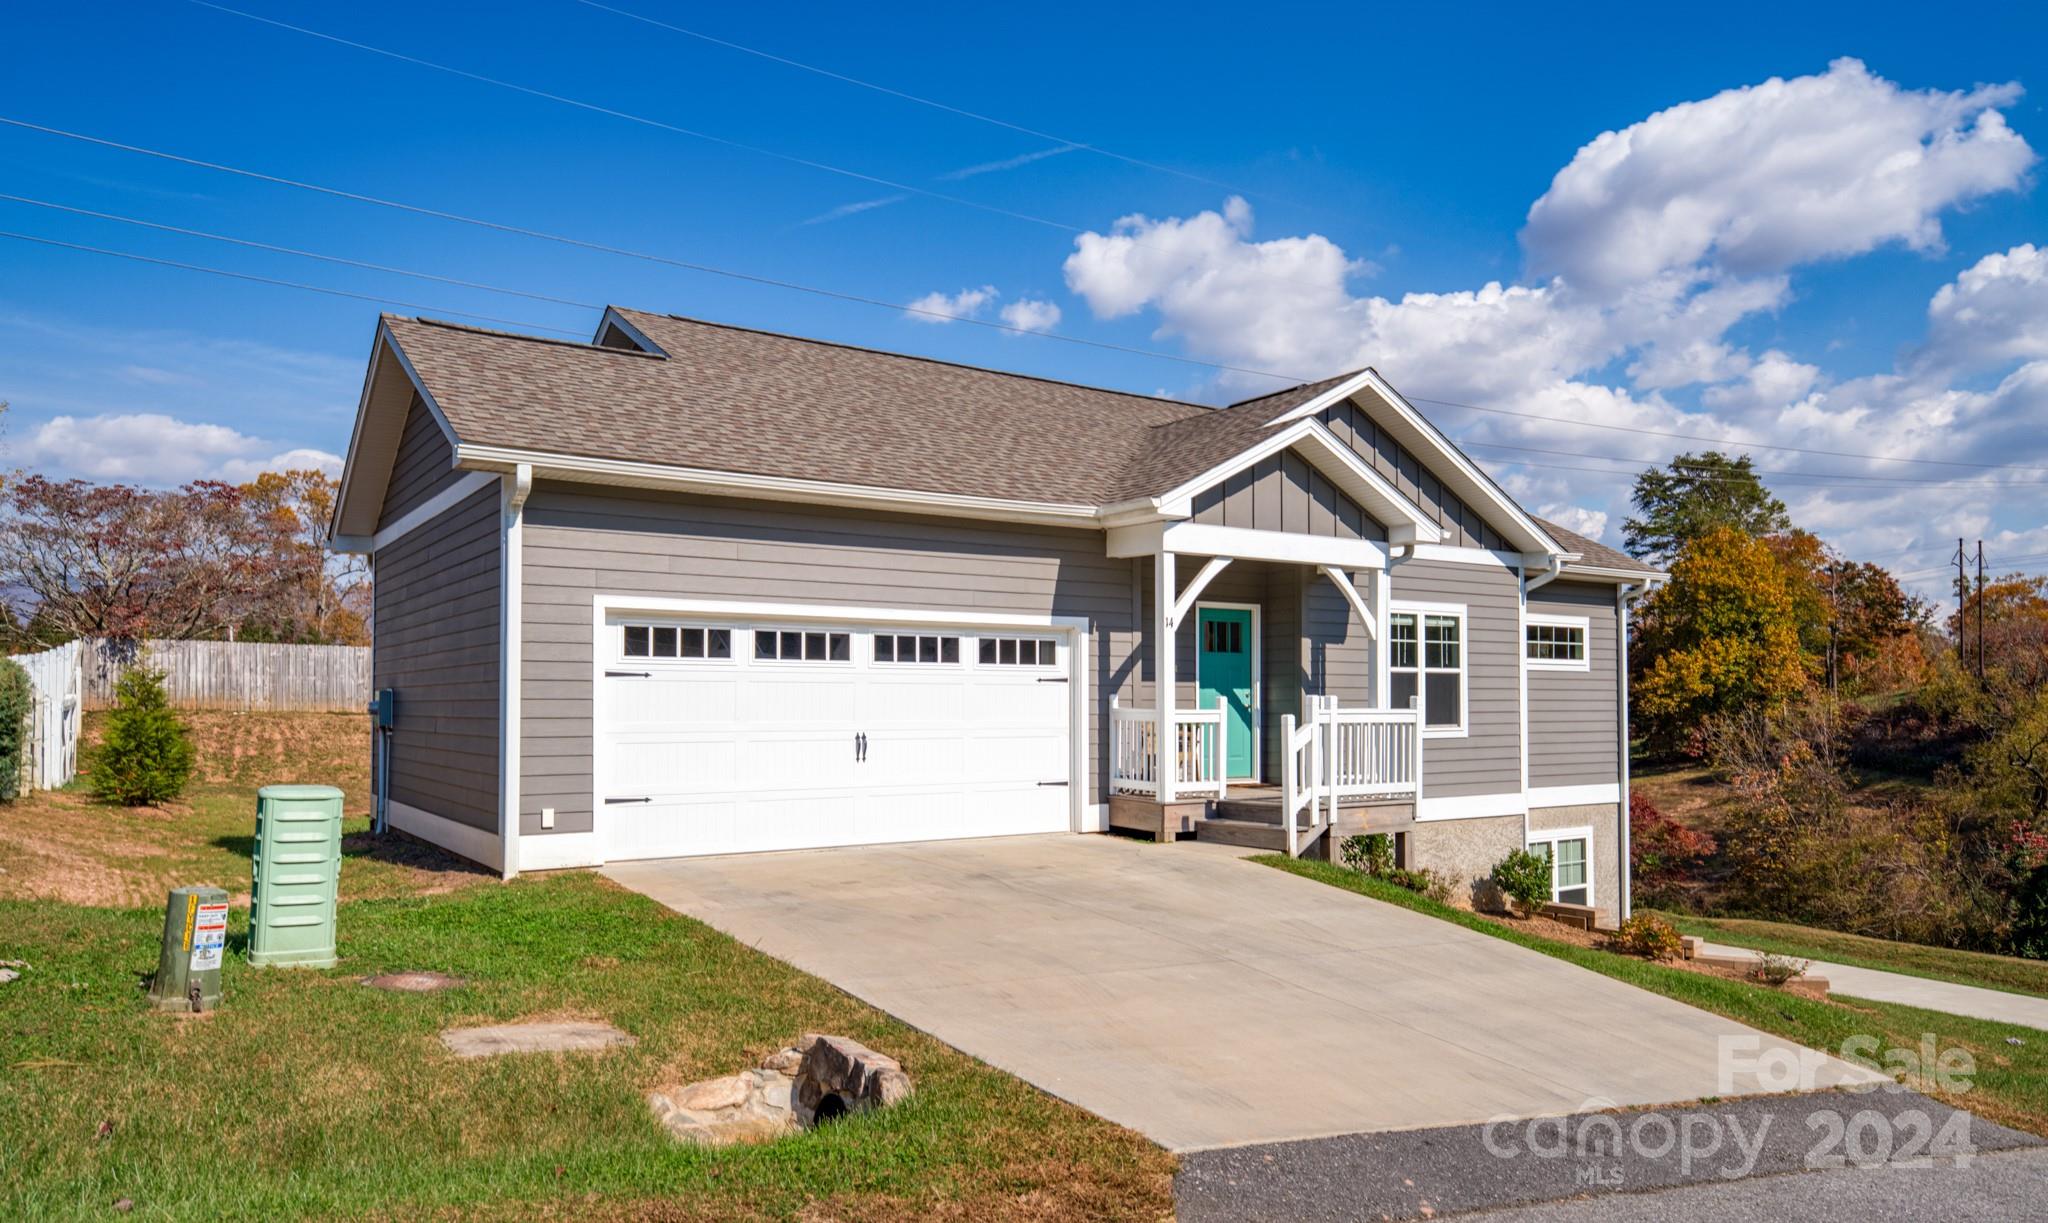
(719, 737)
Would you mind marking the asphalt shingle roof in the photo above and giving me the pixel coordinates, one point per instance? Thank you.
(1593, 552)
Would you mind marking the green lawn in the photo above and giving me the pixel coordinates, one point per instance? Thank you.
(311, 1095)
(2011, 1084)
(1807, 942)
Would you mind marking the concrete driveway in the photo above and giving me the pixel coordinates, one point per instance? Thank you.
(1203, 1000)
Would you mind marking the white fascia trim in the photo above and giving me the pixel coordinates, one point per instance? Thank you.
(1314, 407)
(1598, 793)
(554, 851)
(1434, 438)
(1471, 807)
(1452, 554)
(779, 488)
(419, 515)
(1242, 543)
(385, 342)
(378, 340)
(1405, 521)
(456, 837)
(1615, 575)
(612, 318)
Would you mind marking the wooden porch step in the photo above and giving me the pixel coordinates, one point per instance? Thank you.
(1253, 834)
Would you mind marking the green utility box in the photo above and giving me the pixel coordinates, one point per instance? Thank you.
(297, 870)
(195, 935)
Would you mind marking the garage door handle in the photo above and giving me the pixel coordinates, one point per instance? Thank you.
(860, 747)
(610, 801)
(1052, 783)
(1050, 679)
(629, 675)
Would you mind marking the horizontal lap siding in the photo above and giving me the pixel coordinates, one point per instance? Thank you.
(582, 542)
(1488, 758)
(435, 640)
(1574, 716)
(425, 465)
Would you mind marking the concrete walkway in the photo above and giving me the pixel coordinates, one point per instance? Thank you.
(1205, 1001)
(1974, 1001)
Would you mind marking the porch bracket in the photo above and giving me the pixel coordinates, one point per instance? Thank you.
(1216, 565)
(1343, 584)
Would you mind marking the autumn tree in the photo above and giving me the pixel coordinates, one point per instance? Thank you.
(1694, 495)
(1722, 636)
(1851, 612)
(317, 596)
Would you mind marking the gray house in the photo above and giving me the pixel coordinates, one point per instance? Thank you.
(696, 589)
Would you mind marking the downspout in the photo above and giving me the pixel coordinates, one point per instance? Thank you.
(1624, 595)
(512, 577)
(1546, 577)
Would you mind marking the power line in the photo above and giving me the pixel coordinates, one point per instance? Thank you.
(643, 120)
(624, 252)
(1808, 476)
(282, 284)
(302, 254)
(911, 97)
(1721, 441)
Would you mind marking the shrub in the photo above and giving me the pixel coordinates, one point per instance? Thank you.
(1773, 969)
(145, 756)
(1649, 936)
(2030, 916)
(1425, 881)
(15, 699)
(1372, 853)
(1525, 878)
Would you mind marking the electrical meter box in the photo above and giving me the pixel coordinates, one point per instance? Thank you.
(195, 937)
(384, 709)
(297, 870)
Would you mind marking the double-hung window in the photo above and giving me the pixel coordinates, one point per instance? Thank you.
(1426, 659)
(1571, 864)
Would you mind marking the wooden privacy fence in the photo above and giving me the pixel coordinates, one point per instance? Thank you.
(240, 675)
(54, 676)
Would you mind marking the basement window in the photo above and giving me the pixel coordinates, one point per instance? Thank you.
(1571, 864)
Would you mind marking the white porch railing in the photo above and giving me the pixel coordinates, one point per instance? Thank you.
(1198, 751)
(1340, 754)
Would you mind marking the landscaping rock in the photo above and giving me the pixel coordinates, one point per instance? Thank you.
(539, 1037)
(783, 1094)
(11, 970)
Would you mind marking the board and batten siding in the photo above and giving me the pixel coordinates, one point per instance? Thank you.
(1461, 523)
(425, 465)
(1575, 716)
(436, 626)
(1285, 493)
(1487, 759)
(580, 542)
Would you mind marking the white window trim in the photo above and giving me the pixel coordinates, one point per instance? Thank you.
(615, 627)
(1399, 607)
(1258, 673)
(1550, 837)
(1582, 623)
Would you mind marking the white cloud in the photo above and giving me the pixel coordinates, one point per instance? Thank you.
(1029, 314)
(1756, 180)
(1576, 518)
(1651, 247)
(938, 307)
(154, 449)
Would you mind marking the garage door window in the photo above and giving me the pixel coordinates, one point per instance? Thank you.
(1019, 652)
(802, 645)
(930, 648)
(675, 641)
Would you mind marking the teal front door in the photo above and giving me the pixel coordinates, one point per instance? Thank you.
(1223, 668)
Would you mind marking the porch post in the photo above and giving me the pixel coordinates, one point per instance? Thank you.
(1163, 591)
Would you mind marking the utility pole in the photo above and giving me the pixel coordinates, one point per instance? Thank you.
(1980, 613)
(1834, 623)
(1962, 606)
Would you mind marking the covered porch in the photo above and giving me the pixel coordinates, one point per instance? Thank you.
(1273, 701)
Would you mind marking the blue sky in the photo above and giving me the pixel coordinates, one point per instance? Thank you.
(1760, 262)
